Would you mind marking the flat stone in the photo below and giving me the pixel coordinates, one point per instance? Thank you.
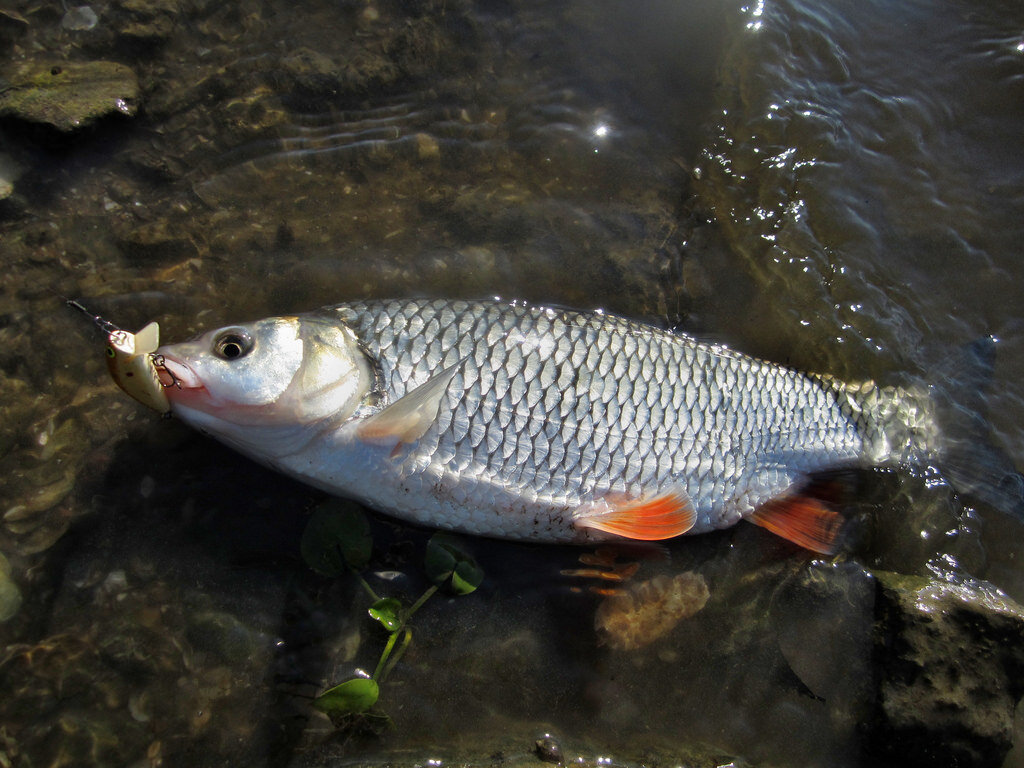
(79, 18)
(69, 96)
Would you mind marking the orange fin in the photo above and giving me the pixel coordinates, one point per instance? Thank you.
(661, 517)
(803, 520)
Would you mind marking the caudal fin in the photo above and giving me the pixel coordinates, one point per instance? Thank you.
(968, 457)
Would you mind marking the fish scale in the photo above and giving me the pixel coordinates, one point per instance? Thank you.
(562, 407)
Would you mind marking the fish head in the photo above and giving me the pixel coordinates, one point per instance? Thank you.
(265, 387)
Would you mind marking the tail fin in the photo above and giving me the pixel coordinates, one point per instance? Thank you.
(944, 424)
(967, 456)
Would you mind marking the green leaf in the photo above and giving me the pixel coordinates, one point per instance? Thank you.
(356, 695)
(447, 564)
(388, 611)
(337, 536)
(467, 577)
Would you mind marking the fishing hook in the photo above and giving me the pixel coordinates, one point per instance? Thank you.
(158, 363)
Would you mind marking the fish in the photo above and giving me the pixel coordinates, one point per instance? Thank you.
(502, 419)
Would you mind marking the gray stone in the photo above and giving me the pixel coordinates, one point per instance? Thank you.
(223, 635)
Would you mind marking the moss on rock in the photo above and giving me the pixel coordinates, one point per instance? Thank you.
(69, 96)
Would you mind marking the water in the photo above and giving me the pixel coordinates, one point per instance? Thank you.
(836, 186)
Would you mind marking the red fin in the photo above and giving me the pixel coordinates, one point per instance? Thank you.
(803, 520)
(662, 517)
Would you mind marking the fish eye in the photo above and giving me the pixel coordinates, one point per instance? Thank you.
(232, 344)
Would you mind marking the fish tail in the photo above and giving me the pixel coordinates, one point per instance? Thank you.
(897, 424)
(944, 425)
(967, 454)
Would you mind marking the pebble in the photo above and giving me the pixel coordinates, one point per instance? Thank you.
(79, 18)
(549, 750)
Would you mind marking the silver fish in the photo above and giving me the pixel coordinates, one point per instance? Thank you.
(500, 419)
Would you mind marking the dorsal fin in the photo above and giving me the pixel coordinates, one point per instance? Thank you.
(407, 419)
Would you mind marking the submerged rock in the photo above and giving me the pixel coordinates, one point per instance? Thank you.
(69, 96)
(147, 23)
(160, 241)
(949, 653)
(223, 635)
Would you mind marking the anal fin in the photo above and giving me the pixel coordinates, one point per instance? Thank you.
(648, 519)
(804, 520)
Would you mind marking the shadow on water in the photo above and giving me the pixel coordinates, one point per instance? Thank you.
(203, 619)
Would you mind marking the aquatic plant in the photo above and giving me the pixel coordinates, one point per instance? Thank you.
(336, 541)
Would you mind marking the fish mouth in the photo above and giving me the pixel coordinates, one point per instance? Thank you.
(175, 374)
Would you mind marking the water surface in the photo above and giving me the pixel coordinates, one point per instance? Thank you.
(837, 186)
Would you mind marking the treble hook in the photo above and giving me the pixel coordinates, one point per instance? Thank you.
(158, 362)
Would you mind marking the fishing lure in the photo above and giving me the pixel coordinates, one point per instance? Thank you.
(132, 362)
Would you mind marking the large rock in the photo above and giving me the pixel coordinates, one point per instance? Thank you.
(69, 96)
(949, 654)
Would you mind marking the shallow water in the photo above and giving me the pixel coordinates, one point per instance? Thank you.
(835, 186)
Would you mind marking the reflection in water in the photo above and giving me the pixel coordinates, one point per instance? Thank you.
(854, 207)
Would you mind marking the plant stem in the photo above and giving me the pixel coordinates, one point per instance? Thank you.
(406, 639)
(381, 671)
(366, 586)
(384, 656)
(418, 604)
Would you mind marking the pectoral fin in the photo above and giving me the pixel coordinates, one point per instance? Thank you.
(407, 419)
(648, 519)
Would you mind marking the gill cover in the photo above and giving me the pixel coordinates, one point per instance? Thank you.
(130, 361)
